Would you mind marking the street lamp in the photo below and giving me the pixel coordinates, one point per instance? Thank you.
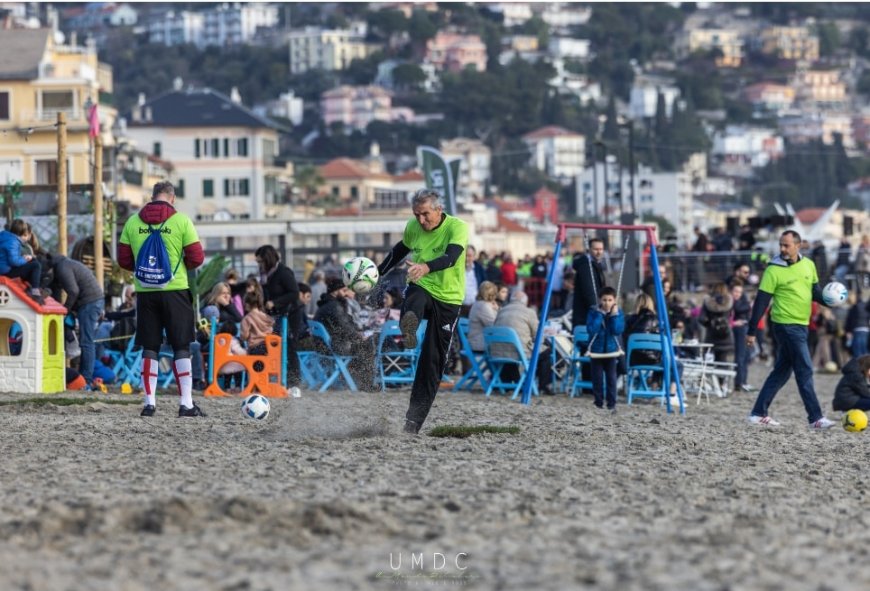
(603, 146)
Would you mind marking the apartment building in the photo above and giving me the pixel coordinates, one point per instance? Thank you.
(557, 151)
(454, 52)
(327, 49)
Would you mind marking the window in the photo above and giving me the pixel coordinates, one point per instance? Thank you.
(237, 187)
(242, 146)
(179, 188)
(196, 152)
(207, 188)
(54, 102)
(4, 105)
(46, 172)
(215, 148)
(354, 192)
(226, 148)
(335, 191)
(157, 149)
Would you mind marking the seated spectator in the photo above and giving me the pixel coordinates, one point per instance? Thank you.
(643, 321)
(15, 264)
(482, 314)
(222, 297)
(852, 390)
(517, 315)
(332, 312)
(231, 373)
(256, 325)
(391, 305)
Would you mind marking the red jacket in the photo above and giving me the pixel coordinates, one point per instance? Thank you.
(156, 212)
(509, 273)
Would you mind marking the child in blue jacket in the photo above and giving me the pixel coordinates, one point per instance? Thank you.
(605, 325)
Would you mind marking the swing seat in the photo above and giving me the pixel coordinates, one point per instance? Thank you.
(610, 355)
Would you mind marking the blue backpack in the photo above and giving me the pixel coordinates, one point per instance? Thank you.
(153, 269)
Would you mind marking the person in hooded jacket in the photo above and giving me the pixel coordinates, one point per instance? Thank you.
(643, 321)
(332, 312)
(853, 390)
(716, 318)
(281, 297)
(170, 308)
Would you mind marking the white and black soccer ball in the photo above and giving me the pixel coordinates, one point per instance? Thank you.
(835, 294)
(360, 274)
(256, 406)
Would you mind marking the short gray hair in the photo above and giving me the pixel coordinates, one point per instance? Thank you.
(162, 188)
(519, 295)
(421, 196)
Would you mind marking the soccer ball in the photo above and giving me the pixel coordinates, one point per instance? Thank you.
(256, 406)
(360, 274)
(855, 420)
(835, 294)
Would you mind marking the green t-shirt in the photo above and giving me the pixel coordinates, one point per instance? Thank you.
(447, 286)
(792, 290)
(178, 232)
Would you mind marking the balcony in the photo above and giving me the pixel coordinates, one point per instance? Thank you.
(50, 115)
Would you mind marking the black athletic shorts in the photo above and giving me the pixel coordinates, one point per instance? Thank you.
(169, 311)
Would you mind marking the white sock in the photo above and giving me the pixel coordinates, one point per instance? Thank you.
(184, 380)
(149, 380)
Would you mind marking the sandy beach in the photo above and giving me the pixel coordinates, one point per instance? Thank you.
(328, 494)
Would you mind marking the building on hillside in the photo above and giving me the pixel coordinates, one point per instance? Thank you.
(562, 16)
(475, 171)
(805, 127)
(768, 98)
(822, 89)
(38, 80)
(738, 150)
(568, 48)
(728, 43)
(557, 151)
(790, 42)
(314, 48)
(454, 52)
(237, 23)
(286, 106)
(513, 13)
(644, 96)
(97, 15)
(357, 106)
(177, 28)
(223, 153)
(584, 88)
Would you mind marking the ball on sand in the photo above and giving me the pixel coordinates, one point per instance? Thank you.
(855, 420)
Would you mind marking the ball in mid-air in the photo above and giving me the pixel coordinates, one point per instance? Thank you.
(360, 274)
(256, 406)
(835, 294)
(855, 420)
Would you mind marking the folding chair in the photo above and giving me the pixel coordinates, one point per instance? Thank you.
(398, 366)
(638, 376)
(578, 359)
(477, 361)
(311, 368)
(503, 348)
(335, 365)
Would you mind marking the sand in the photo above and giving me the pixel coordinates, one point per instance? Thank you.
(328, 494)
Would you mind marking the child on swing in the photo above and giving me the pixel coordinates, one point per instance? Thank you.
(605, 325)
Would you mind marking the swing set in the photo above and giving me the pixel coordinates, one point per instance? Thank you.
(661, 307)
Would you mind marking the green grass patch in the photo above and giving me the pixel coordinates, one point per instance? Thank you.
(463, 431)
(61, 401)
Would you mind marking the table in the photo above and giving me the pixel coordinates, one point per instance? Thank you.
(691, 369)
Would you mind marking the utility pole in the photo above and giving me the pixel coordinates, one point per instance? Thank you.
(98, 209)
(61, 183)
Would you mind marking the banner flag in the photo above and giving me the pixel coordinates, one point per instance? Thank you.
(438, 175)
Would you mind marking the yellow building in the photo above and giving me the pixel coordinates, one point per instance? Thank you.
(39, 79)
(729, 44)
(791, 43)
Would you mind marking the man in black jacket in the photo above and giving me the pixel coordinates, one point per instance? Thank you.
(332, 312)
(588, 280)
(281, 298)
(84, 299)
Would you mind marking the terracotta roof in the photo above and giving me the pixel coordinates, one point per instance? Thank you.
(411, 175)
(16, 286)
(508, 225)
(343, 211)
(545, 192)
(347, 168)
(503, 205)
(810, 215)
(550, 131)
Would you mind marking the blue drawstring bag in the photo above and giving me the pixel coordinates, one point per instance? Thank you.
(153, 269)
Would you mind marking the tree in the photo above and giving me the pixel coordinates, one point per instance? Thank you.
(537, 27)
(829, 38)
(408, 76)
(308, 179)
(387, 22)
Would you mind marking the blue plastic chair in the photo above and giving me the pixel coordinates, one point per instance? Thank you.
(398, 366)
(503, 348)
(335, 366)
(639, 375)
(578, 359)
(477, 361)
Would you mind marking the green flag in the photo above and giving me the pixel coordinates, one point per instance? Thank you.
(439, 175)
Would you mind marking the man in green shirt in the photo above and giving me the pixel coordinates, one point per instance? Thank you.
(791, 281)
(436, 288)
(168, 309)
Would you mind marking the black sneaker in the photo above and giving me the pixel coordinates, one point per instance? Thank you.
(148, 411)
(37, 297)
(193, 411)
(408, 324)
(411, 427)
